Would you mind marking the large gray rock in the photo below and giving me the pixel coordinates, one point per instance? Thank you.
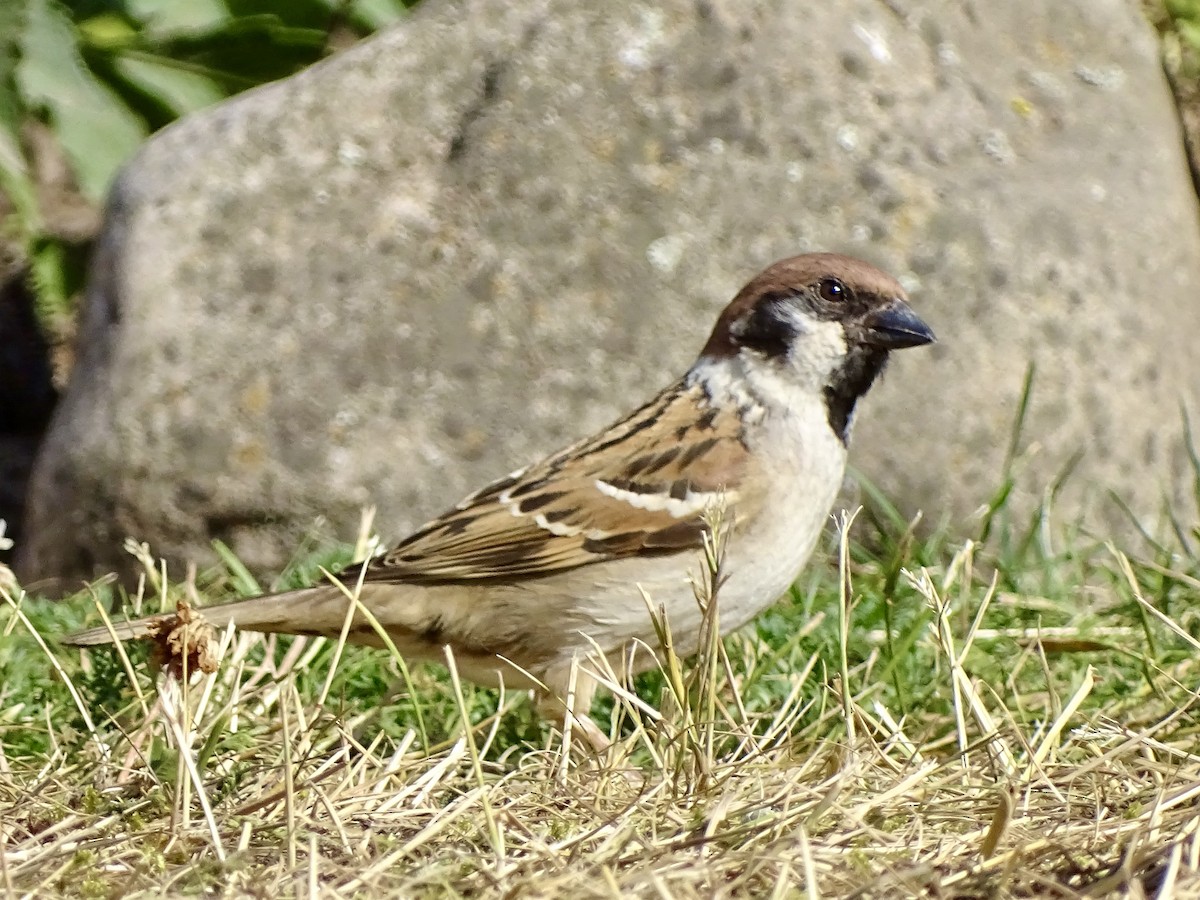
(490, 230)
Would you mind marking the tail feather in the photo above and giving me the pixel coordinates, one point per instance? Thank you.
(121, 631)
(317, 611)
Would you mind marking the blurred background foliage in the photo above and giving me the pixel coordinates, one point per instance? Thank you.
(1178, 23)
(84, 82)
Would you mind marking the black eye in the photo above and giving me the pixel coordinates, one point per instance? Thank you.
(833, 290)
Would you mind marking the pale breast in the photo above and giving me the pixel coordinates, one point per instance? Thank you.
(765, 558)
(778, 519)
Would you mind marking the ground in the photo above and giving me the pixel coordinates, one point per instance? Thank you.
(919, 717)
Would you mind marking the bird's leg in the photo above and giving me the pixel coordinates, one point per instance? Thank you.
(567, 697)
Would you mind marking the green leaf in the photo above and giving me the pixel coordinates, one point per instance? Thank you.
(108, 31)
(181, 90)
(1189, 30)
(292, 13)
(377, 14)
(47, 270)
(1183, 9)
(249, 51)
(97, 131)
(11, 18)
(15, 181)
(166, 18)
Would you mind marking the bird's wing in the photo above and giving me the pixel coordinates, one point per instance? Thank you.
(640, 488)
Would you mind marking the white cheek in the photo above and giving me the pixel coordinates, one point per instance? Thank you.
(818, 351)
(768, 386)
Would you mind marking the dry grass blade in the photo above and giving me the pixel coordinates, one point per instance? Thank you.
(798, 769)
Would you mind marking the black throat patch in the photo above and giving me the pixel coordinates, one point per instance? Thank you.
(855, 377)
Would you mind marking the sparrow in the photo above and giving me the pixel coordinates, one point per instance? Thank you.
(529, 575)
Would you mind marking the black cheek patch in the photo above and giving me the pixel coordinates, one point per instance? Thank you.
(767, 329)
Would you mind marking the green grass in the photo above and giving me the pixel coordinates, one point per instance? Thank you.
(1008, 716)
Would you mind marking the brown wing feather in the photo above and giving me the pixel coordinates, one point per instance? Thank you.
(638, 489)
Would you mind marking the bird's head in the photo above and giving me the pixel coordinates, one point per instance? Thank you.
(820, 322)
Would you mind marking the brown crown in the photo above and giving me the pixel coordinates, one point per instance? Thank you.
(794, 275)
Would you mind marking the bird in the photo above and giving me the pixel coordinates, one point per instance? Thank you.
(567, 557)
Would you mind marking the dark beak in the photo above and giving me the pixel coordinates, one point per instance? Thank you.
(894, 327)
